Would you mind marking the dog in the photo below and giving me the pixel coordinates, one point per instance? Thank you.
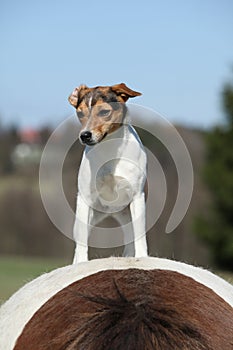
(112, 173)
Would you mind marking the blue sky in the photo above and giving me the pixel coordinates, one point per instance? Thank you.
(177, 53)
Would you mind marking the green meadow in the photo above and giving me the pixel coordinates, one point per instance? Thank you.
(16, 271)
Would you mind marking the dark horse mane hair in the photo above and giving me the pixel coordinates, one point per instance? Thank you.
(131, 309)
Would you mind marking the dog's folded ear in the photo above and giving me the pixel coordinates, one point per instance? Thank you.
(74, 97)
(125, 92)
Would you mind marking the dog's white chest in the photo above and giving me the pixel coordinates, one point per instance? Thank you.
(113, 171)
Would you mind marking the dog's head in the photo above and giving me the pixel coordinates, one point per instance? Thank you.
(100, 109)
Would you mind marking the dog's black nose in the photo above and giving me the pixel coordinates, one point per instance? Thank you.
(86, 136)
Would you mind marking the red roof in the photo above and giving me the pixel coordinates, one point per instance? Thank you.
(29, 136)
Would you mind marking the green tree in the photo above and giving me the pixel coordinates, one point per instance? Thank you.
(8, 140)
(216, 227)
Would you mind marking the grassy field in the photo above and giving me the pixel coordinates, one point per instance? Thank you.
(16, 271)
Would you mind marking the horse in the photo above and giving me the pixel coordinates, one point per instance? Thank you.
(120, 303)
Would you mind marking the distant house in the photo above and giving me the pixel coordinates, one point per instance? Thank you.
(29, 149)
(30, 136)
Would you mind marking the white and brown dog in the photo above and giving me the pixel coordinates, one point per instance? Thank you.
(113, 169)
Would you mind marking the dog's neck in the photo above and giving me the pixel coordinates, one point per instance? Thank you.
(120, 133)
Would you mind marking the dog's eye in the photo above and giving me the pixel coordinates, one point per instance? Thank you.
(104, 112)
(80, 114)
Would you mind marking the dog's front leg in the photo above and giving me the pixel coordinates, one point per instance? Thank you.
(81, 230)
(138, 216)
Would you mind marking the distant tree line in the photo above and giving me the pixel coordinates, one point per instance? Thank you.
(215, 226)
(8, 140)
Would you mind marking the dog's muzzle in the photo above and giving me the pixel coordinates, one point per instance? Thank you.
(86, 138)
